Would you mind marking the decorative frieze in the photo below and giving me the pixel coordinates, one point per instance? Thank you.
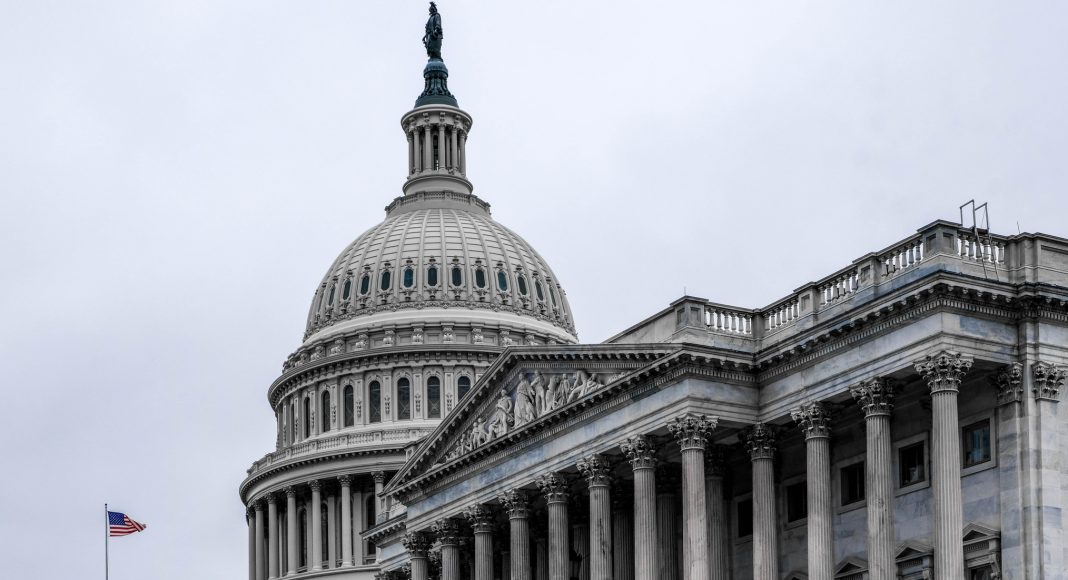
(595, 469)
(760, 441)
(813, 420)
(1008, 384)
(692, 430)
(875, 396)
(1047, 380)
(554, 487)
(944, 371)
(639, 451)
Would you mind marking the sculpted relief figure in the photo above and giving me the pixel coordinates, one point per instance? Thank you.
(502, 416)
(525, 412)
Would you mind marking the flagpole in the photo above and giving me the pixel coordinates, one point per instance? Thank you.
(107, 529)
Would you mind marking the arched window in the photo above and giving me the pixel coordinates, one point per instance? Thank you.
(552, 295)
(409, 278)
(306, 417)
(538, 290)
(346, 290)
(387, 280)
(330, 301)
(502, 280)
(374, 407)
(480, 277)
(463, 384)
(350, 406)
(404, 399)
(457, 276)
(521, 283)
(292, 424)
(433, 398)
(365, 284)
(324, 412)
(432, 275)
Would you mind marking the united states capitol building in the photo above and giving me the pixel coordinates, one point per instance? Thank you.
(897, 418)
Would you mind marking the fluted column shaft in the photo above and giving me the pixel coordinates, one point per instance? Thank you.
(481, 520)
(667, 514)
(428, 150)
(441, 147)
(515, 502)
(251, 522)
(760, 441)
(541, 551)
(417, 544)
(411, 153)
(642, 455)
(315, 559)
(380, 502)
(261, 573)
(555, 489)
(448, 533)
(272, 536)
(815, 423)
(346, 520)
(943, 373)
(692, 432)
(463, 152)
(715, 504)
(454, 135)
(291, 531)
(876, 399)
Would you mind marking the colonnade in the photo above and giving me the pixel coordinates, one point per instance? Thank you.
(279, 519)
(436, 146)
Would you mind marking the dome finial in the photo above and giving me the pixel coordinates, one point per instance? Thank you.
(436, 91)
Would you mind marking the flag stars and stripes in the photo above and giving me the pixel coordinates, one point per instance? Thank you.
(119, 524)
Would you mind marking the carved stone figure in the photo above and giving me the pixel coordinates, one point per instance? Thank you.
(525, 411)
(502, 416)
(434, 33)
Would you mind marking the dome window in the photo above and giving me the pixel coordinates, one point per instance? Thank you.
(306, 417)
(463, 385)
(346, 290)
(365, 284)
(350, 407)
(521, 283)
(502, 280)
(324, 412)
(433, 398)
(387, 280)
(374, 409)
(539, 291)
(404, 399)
(432, 275)
(552, 295)
(330, 301)
(457, 276)
(480, 277)
(409, 278)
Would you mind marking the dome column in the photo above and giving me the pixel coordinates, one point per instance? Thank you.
(411, 152)
(272, 535)
(315, 559)
(261, 558)
(463, 152)
(428, 149)
(291, 530)
(346, 520)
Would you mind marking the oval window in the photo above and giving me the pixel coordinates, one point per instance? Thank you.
(409, 277)
(387, 280)
(480, 278)
(457, 276)
(538, 291)
(502, 280)
(521, 283)
(432, 276)
(346, 290)
(365, 284)
(330, 301)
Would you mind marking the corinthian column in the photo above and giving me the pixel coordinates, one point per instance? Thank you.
(346, 519)
(417, 544)
(272, 535)
(597, 472)
(715, 500)
(943, 373)
(448, 533)
(876, 398)
(555, 490)
(291, 530)
(815, 424)
(760, 441)
(642, 456)
(515, 502)
(315, 523)
(380, 502)
(481, 521)
(261, 573)
(692, 432)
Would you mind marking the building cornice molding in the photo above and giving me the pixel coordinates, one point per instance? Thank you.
(277, 469)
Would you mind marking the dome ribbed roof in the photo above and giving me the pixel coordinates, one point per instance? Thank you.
(414, 258)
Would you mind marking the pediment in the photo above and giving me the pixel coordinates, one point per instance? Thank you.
(913, 549)
(973, 532)
(849, 566)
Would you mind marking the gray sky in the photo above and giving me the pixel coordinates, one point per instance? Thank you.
(177, 176)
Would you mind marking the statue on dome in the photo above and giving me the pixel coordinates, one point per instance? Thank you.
(434, 34)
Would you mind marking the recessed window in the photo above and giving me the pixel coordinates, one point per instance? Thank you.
(552, 295)
(538, 290)
(480, 277)
(521, 283)
(457, 276)
(976, 445)
(365, 284)
(745, 518)
(912, 465)
(324, 412)
(433, 398)
(432, 276)
(330, 301)
(796, 502)
(404, 399)
(502, 281)
(852, 482)
(374, 408)
(306, 417)
(463, 384)
(409, 278)
(350, 407)
(387, 280)
(979, 574)
(346, 290)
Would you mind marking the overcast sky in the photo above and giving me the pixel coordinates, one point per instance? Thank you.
(177, 176)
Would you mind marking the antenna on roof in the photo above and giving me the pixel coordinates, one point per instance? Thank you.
(981, 246)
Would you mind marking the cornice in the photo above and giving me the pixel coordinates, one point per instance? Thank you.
(304, 460)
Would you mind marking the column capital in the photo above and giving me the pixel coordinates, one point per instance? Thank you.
(417, 544)
(715, 461)
(1008, 383)
(379, 476)
(813, 420)
(291, 491)
(640, 451)
(944, 370)
(258, 505)
(692, 430)
(271, 497)
(875, 396)
(344, 480)
(554, 487)
(447, 530)
(1047, 380)
(315, 484)
(596, 470)
(515, 503)
(760, 441)
(480, 518)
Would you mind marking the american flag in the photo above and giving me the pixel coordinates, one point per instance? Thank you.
(119, 524)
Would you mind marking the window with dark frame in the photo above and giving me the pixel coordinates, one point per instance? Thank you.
(350, 407)
(796, 502)
(404, 399)
(912, 464)
(852, 483)
(433, 398)
(745, 518)
(374, 407)
(976, 445)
